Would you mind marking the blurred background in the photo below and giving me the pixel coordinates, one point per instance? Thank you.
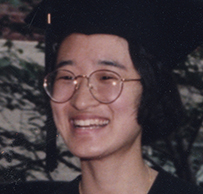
(23, 111)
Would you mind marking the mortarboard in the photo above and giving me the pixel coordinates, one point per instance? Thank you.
(168, 29)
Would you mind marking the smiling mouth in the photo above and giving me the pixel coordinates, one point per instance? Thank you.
(89, 123)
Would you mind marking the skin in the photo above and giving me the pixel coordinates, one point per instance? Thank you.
(112, 150)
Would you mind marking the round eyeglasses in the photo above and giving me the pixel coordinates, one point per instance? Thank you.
(104, 85)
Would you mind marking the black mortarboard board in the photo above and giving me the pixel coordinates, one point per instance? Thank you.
(168, 29)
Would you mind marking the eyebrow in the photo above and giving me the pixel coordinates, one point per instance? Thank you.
(102, 62)
(64, 63)
(112, 63)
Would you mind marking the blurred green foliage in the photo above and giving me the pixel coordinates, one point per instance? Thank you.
(21, 89)
(23, 144)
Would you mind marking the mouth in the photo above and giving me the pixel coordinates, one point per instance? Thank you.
(89, 123)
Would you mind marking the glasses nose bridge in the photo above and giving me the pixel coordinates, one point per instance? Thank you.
(81, 76)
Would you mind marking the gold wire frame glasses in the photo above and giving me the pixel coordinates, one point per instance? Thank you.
(104, 85)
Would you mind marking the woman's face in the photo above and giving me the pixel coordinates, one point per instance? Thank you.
(89, 128)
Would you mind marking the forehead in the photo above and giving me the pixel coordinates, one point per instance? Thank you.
(96, 51)
(99, 44)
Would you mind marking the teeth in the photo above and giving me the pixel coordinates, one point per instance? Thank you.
(90, 122)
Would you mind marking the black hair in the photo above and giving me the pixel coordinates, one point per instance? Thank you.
(161, 109)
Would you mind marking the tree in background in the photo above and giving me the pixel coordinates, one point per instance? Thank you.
(22, 144)
(21, 91)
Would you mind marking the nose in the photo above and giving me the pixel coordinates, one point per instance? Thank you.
(82, 98)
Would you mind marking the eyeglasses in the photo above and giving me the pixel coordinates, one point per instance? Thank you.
(104, 85)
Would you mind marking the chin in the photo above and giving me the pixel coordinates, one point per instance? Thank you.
(87, 154)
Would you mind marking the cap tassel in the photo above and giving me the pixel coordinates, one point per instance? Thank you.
(51, 150)
(48, 18)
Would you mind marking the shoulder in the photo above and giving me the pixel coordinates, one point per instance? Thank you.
(166, 183)
(43, 187)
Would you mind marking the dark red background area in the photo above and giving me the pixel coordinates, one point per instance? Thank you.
(12, 25)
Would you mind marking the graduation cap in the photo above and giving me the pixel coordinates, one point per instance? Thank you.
(167, 29)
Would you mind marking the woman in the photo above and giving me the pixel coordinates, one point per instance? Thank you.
(110, 92)
(105, 136)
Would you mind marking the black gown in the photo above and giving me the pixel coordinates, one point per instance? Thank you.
(165, 183)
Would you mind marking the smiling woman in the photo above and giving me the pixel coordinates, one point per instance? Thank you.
(90, 127)
(111, 89)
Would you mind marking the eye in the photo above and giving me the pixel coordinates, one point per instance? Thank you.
(64, 80)
(64, 76)
(104, 78)
(107, 77)
(67, 77)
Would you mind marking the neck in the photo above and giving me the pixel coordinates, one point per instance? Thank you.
(122, 174)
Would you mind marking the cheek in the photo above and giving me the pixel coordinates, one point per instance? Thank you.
(130, 97)
(126, 107)
(124, 111)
